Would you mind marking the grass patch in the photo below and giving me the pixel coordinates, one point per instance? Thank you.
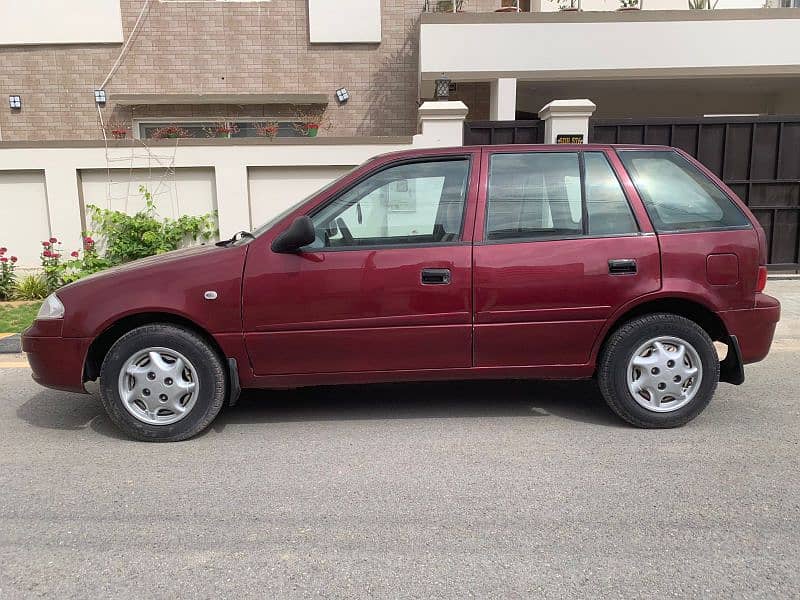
(16, 316)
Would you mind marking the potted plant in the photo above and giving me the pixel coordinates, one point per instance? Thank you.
(628, 5)
(117, 129)
(447, 6)
(223, 129)
(702, 4)
(268, 129)
(568, 5)
(170, 132)
(309, 122)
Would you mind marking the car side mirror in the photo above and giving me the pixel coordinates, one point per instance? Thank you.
(300, 233)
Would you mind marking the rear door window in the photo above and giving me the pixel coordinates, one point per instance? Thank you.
(677, 196)
(540, 195)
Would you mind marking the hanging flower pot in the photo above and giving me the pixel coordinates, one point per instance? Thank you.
(267, 130)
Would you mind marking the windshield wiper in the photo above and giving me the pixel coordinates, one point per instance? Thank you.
(236, 237)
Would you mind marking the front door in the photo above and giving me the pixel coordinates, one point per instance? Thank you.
(386, 286)
(560, 251)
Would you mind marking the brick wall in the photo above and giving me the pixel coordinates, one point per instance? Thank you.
(217, 48)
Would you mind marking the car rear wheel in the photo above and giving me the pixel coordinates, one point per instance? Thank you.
(162, 383)
(660, 370)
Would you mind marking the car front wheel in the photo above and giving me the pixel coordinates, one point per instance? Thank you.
(162, 383)
(660, 370)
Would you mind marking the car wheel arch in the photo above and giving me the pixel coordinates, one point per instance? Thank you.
(688, 307)
(103, 342)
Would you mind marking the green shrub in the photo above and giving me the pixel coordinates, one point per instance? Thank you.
(32, 287)
(129, 237)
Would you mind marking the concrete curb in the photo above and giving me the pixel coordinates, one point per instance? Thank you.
(10, 343)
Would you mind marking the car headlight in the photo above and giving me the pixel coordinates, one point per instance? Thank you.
(51, 308)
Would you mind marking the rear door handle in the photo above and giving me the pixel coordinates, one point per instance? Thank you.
(435, 276)
(622, 266)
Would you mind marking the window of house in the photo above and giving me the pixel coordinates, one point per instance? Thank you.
(413, 203)
(244, 128)
(677, 196)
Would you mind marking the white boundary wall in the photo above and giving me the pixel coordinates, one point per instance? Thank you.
(44, 189)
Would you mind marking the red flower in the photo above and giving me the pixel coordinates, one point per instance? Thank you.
(46, 244)
(74, 254)
(53, 240)
(88, 240)
(47, 254)
(14, 259)
(3, 259)
(56, 255)
(3, 250)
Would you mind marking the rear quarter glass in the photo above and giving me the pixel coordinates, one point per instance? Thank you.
(677, 195)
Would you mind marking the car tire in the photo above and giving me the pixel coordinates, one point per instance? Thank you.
(164, 400)
(647, 388)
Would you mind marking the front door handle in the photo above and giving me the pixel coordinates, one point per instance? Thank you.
(622, 266)
(435, 276)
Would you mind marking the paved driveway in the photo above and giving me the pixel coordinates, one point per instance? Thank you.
(505, 490)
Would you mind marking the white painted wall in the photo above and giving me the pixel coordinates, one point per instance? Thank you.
(184, 191)
(24, 222)
(557, 50)
(273, 189)
(60, 22)
(344, 21)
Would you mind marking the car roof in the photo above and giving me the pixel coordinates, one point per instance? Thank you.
(414, 152)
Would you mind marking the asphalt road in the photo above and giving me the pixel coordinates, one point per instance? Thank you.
(457, 490)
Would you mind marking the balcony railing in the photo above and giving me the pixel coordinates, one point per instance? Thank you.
(476, 6)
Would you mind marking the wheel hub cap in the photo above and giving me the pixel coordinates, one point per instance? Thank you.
(664, 374)
(158, 386)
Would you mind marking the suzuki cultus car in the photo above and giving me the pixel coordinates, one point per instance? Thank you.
(621, 263)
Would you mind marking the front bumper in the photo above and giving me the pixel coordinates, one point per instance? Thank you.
(754, 328)
(56, 362)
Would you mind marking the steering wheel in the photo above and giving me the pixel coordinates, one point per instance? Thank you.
(347, 236)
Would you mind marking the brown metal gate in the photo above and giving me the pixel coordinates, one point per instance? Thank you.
(758, 157)
(478, 133)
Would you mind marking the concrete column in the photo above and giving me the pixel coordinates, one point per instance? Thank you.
(441, 124)
(233, 198)
(63, 203)
(503, 99)
(567, 118)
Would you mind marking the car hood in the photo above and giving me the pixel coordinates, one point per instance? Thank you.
(159, 260)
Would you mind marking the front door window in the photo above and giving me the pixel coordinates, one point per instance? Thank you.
(407, 204)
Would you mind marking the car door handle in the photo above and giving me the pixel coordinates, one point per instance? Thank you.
(622, 266)
(435, 276)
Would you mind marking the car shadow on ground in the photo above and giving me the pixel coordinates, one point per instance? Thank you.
(574, 400)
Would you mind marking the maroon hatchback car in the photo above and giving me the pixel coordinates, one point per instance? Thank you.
(623, 263)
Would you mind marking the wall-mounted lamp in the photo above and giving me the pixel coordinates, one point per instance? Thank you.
(100, 96)
(442, 88)
(15, 102)
(342, 95)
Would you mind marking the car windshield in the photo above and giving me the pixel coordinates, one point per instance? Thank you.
(266, 226)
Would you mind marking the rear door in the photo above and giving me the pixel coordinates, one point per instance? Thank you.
(558, 249)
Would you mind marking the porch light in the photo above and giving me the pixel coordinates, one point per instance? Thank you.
(15, 102)
(442, 91)
(100, 96)
(342, 95)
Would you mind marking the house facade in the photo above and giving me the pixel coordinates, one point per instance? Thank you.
(199, 63)
(211, 104)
